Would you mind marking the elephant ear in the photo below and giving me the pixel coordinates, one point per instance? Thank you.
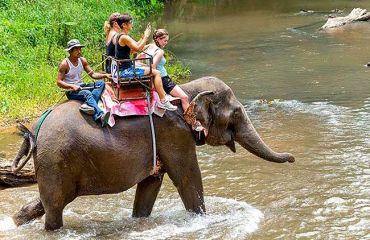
(199, 109)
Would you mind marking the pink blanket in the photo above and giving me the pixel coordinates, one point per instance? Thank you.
(127, 108)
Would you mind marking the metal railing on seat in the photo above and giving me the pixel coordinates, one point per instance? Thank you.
(124, 85)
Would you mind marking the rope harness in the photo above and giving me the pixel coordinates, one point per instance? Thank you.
(43, 116)
(152, 130)
(189, 114)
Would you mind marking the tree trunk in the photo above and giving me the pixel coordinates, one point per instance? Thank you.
(8, 179)
(356, 15)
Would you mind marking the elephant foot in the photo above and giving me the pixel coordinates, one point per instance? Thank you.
(29, 212)
(197, 207)
(201, 210)
(53, 220)
(141, 213)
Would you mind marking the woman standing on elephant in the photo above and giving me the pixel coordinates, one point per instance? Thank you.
(125, 45)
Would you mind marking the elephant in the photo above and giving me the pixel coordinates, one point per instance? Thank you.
(74, 156)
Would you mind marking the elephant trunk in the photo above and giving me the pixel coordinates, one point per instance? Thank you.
(248, 138)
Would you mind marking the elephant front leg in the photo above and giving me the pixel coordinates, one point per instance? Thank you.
(187, 178)
(191, 194)
(146, 194)
(53, 219)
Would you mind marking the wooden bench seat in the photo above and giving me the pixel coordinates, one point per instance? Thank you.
(131, 88)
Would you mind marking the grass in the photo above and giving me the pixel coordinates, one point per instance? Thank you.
(33, 35)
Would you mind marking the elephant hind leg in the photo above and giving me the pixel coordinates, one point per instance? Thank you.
(56, 191)
(146, 194)
(54, 209)
(54, 213)
(29, 212)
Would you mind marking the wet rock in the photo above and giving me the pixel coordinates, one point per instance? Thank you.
(356, 15)
(311, 12)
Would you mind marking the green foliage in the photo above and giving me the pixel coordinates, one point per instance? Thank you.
(4, 4)
(33, 35)
(178, 71)
(143, 6)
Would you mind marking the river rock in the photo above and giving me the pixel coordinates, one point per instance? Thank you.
(356, 15)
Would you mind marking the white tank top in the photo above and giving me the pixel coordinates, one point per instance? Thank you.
(161, 63)
(74, 75)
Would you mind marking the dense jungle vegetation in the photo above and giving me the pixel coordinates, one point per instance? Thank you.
(33, 34)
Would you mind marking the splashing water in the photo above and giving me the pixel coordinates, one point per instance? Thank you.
(6, 224)
(225, 218)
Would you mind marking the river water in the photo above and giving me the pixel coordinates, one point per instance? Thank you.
(316, 106)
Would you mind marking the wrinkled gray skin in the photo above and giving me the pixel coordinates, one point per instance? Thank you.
(76, 157)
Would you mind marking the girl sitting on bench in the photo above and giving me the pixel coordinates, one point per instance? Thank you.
(124, 45)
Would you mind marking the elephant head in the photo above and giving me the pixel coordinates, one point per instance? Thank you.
(226, 120)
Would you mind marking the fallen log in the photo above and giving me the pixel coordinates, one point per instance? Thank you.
(9, 179)
(356, 15)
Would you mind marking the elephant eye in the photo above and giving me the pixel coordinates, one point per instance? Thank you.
(237, 113)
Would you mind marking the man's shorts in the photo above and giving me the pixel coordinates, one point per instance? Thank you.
(168, 84)
(129, 72)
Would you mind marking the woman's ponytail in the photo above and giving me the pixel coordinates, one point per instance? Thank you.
(107, 27)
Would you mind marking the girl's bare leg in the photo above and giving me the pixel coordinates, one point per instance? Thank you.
(157, 83)
(178, 92)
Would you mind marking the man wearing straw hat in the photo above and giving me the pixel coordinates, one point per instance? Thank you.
(70, 79)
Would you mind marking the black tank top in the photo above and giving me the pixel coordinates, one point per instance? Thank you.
(122, 53)
(109, 50)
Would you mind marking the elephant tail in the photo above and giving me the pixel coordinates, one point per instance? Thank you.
(27, 149)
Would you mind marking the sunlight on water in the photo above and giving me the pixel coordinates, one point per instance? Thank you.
(6, 224)
(327, 188)
(226, 218)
